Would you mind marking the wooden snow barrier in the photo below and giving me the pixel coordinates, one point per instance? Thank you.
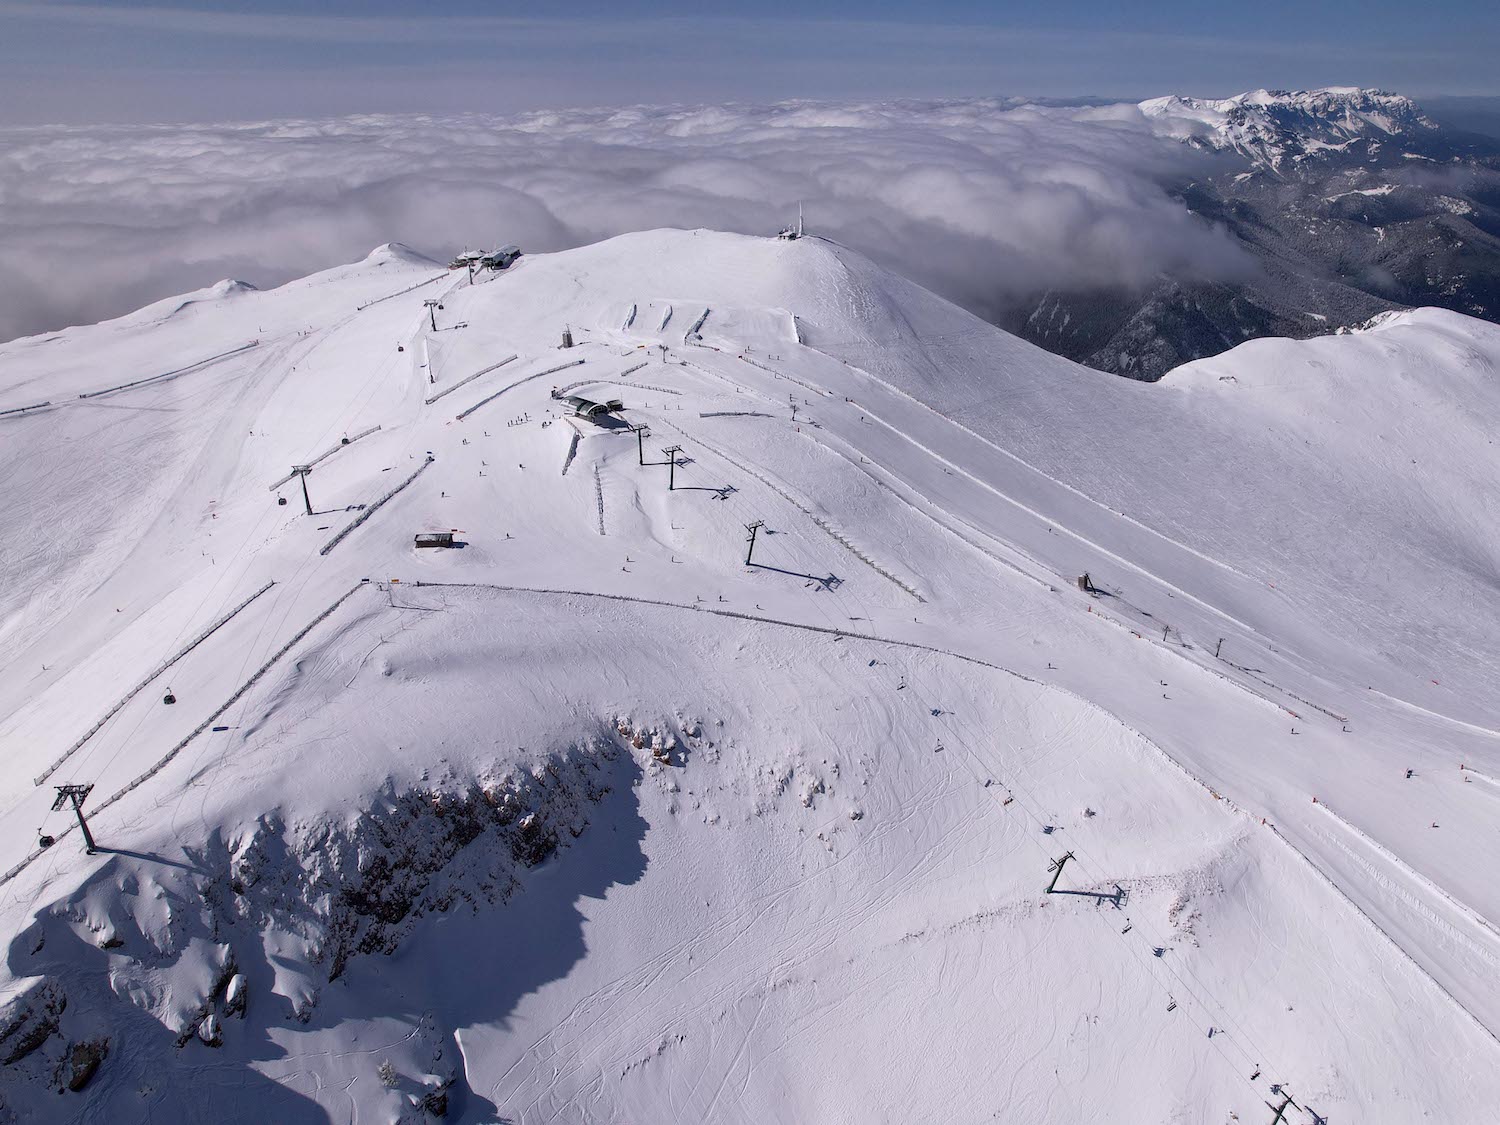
(572, 451)
(328, 453)
(534, 375)
(401, 292)
(375, 507)
(783, 375)
(599, 496)
(469, 379)
(157, 671)
(173, 373)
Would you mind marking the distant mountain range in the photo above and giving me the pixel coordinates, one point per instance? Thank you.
(1352, 203)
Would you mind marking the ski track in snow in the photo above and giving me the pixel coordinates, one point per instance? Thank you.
(868, 829)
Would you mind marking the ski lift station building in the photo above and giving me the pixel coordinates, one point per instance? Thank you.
(587, 408)
(486, 259)
(500, 259)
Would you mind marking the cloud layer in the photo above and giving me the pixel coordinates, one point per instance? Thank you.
(983, 200)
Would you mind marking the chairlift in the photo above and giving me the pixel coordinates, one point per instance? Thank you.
(169, 698)
(45, 841)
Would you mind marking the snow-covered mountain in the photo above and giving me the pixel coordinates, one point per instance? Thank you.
(1350, 203)
(607, 813)
(1274, 127)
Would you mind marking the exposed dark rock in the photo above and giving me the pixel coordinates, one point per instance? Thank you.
(81, 1063)
(30, 1020)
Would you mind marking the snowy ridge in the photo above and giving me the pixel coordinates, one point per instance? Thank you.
(608, 814)
(1273, 127)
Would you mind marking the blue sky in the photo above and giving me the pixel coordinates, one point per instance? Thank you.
(223, 59)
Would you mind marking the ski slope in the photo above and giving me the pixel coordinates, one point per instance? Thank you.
(588, 820)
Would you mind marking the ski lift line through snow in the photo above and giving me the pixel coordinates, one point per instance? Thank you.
(326, 454)
(844, 632)
(171, 374)
(878, 481)
(822, 525)
(350, 409)
(166, 759)
(836, 631)
(912, 681)
(133, 692)
(255, 678)
(375, 507)
(469, 379)
(886, 386)
(1210, 668)
(956, 530)
(1064, 485)
(1205, 1005)
(877, 418)
(401, 292)
(19, 410)
(512, 386)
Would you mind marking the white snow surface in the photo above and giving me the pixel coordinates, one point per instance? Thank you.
(1272, 126)
(587, 820)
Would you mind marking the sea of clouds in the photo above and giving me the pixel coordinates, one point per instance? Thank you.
(986, 201)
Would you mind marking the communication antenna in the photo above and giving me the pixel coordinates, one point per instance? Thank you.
(799, 218)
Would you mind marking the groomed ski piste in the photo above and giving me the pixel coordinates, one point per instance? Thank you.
(585, 819)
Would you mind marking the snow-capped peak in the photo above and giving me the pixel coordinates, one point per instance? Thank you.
(398, 252)
(1271, 126)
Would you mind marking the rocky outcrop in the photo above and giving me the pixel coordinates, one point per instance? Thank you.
(357, 888)
(30, 1020)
